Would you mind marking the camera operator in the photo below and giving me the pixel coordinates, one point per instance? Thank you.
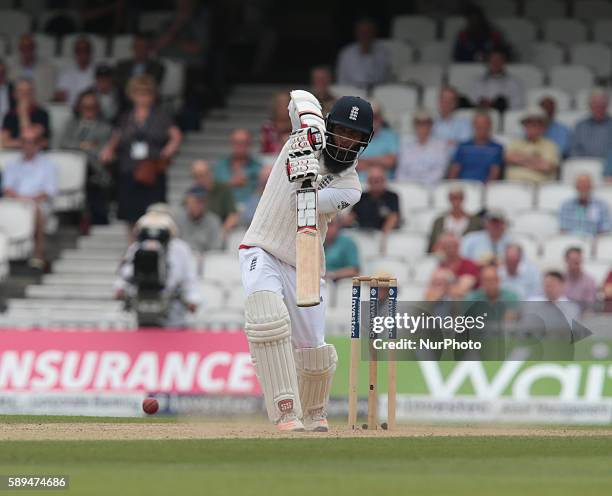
(157, 276)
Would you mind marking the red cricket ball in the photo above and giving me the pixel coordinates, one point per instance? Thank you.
(150, 406)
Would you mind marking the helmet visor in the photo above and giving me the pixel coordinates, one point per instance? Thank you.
(344, 149)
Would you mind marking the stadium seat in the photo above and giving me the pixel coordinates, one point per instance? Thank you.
(14, 22)
(598, 270)
(339, 90)
(71, 169)
(553, 248)
(411, 196)
(544, 55)
(234, 238)
(595, 56)
(550, 196)
(393, 265)
(59, 115)
(17, 224)
(421, 74)
(462, 76)
(564, 30)
(544, 9)
(404, 244)
(571, 78)
(602, 30)
(415, 29)
(576, 166)
(212, 297)
(516, 29)
(581, 99)
(436, 52)
(529, 244)
(451, 26)
(422, 220)
(97, 42)
(153, 21)
(603, 248)
(561, 98)
(412, 291)
(509, 196)
(4, 256)
(430, 97)
(499, 8)
(530, 75)
(473, 191)
(396, 99)
(570, 117)
(512, 123)
(4, 47)
(591, 10)
(401, 54)
(220, 266)
(423, 268)
(540, 224)
(174, 78)
(121, 46)
(368, 242)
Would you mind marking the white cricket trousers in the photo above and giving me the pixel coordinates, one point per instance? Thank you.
(264, 272)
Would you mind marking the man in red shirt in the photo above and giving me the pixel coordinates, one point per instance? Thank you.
(466, 272)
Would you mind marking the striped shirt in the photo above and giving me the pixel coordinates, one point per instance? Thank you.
(592, 138)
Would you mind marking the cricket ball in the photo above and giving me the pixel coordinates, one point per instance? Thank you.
(150, 406)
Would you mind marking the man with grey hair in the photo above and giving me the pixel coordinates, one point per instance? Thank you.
(584, 215)
(519, 274)
(593, 135)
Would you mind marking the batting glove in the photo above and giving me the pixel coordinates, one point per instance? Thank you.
(302, 168)
(306, 141)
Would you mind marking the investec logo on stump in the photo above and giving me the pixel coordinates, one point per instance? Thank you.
(425, 323)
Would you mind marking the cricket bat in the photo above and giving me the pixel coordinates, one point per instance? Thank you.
(307, 247)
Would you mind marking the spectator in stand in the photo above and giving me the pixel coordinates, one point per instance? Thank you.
(77, 78)
(200, 228)
(466, 272)
(320, 83)
(25, 114)
(478, 39)
(366, 62)
(496, 88)
(480, 158)
(7, 97)
(424, 159)
(107, 93)
(440, 284)
(584, 215)
(378, 207)
(554, 292)
(519, 274)
(456, 221)
(29, 66)
(607, 291)
(556, 132)
(142, 62)
(489, 245)
(491, 289)
(449, 126)
(382, 150)
(580, 287)
(240, 170)
(32, 178)
(250, 205)
(534, 158)
(341, 253)
(275, 132)
(220, 196)
(592, 136)
(145, 141)
(88, 132)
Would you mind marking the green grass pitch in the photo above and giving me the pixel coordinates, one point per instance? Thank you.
(473, 466)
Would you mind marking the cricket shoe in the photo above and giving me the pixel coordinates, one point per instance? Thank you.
(316, 421)
(289, 422)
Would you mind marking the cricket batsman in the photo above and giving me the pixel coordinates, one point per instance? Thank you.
(294, 365)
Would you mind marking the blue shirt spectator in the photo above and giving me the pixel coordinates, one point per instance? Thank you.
(480, 158)
(556, 132)
(341, 253)
(593, 135)
(382, 149)
(448, 126)
(584, 215)
(520, 275)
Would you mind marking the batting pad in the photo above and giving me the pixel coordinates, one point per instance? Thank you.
(315, 370)
(268, 331)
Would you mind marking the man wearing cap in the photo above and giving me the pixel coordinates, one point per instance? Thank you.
(424, 159)
(489, 244)
(534, 158)
(201, 229)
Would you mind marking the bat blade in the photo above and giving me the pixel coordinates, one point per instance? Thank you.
(308, 248)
